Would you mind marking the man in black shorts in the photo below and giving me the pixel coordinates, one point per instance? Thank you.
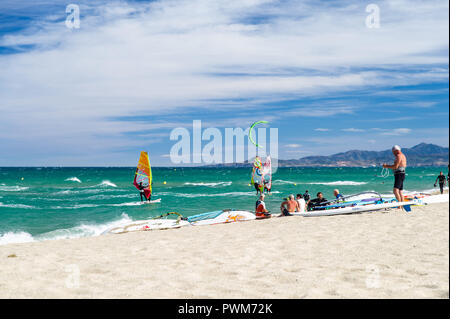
(399, 168)
(441, 179)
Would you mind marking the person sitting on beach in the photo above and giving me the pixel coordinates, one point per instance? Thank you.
(399, 168)
(260, 207)
(338, 195)
(319, 201)
(289, 206)
(301, 203)
(441, 179)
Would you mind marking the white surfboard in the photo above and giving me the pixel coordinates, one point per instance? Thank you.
(221, 217)
(357, 209)
(153, 201)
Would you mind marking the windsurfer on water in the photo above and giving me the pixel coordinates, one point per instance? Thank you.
(142, 193)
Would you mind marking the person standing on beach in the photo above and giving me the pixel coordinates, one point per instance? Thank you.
(399, 168)
(306, 196)
(441, 179)
(289, 206)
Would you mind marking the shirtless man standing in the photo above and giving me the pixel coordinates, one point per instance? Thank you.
(399, 172)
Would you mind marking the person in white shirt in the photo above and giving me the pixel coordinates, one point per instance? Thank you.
(301, 203)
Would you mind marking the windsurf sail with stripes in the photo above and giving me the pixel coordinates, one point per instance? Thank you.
(262, 174)
(144, 175)
(267, 174)
(257, 174)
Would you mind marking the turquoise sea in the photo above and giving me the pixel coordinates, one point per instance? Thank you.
(53, 203)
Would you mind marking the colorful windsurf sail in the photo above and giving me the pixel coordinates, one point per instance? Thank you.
(144, 175)
(262, 174)
(257, 174)
(267, 174)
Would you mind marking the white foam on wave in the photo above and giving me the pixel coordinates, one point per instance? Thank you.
(281, 182)
(73, 179)
(83, 230)
(15, 237)
(336, 183)
(80, 190)
(16, 188)
(209, 184)
(111, 196)
(16, 206)
(128, 204)
(107, 183)
(75, 206)
(339, 183)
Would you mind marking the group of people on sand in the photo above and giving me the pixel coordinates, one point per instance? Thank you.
(303, 202)
(299, 204)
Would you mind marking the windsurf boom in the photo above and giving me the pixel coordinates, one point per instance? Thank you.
(144, 175)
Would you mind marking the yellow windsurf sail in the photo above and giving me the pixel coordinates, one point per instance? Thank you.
(143, 175)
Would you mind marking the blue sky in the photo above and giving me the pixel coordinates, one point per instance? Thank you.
(135, 70)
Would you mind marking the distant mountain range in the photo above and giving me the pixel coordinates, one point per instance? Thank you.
(420, 155)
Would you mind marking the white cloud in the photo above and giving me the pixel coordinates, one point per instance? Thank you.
(397, 131)
(353, 130)
(168, 56)
(319, 129)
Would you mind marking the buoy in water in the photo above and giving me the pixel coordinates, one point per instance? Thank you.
(164, 182)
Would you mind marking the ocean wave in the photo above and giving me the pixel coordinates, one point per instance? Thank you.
(282, 182)
(100, 197)
(73, 179)
(209, 184)
(127, 204)
(16, 188)
(107, 183)
(207, 195)
(89, 190)
(75, 206)
(16, 206)
(18, 237)
(83, 230)
(339, 183)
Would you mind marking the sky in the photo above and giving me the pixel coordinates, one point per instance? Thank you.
(136, 70)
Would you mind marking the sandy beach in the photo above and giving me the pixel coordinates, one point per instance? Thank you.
(374, 255)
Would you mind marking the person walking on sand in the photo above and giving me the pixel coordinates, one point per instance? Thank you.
(289, 206)
(441, 179)
(399, 168)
